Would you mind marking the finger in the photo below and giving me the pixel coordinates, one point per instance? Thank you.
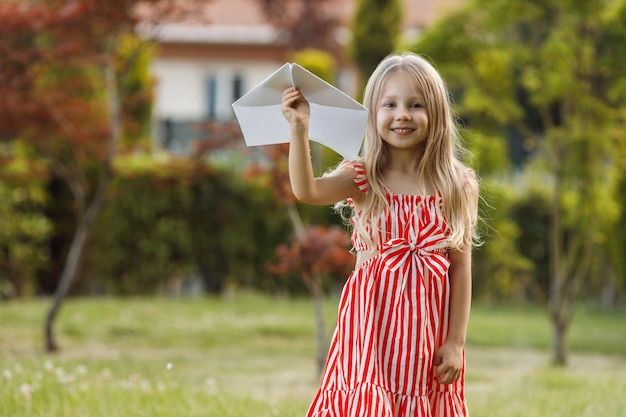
(290, 95)
(441, 368)
(443, 378)
(291, 101)
(448, 377)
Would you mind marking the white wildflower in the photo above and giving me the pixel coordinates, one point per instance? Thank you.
(81, 370)
(26, 391)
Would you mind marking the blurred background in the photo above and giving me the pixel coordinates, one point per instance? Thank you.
(192, 281)
(123, 171)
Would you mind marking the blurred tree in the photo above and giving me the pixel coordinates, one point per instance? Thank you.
(319, 62)
(319, 252)
(62, 91)
(133, 57)
(375, 33)
(551, 74)
(24, 228)
(314, 251)
(307, 24)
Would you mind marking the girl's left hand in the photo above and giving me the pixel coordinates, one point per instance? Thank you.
(448, 361)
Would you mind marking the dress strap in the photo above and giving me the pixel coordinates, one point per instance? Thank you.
(361, 177)
(470, 176)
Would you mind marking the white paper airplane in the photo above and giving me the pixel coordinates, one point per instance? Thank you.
(336, 120)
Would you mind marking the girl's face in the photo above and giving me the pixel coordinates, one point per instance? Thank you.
(401, 117)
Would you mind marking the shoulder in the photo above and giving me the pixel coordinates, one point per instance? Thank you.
(470, 180)
(466, 176)
(351, 174)
(467, 182)
(360, 176)
(470, 187)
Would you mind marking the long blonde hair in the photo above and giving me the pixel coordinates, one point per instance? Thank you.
(440, 167)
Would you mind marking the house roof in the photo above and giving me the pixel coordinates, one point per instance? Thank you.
(244, 22)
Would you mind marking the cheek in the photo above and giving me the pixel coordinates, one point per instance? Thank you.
(423, 119)
(380, 121)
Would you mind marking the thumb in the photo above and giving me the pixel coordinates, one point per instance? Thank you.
(437, 358)
(440, 367)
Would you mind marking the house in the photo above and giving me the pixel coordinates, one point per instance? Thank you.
(202, 68)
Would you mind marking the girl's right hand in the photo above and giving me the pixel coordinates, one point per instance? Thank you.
(294, 106)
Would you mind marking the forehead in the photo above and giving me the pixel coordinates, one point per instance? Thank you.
(401, 83)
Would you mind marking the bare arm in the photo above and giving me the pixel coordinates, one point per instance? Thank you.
(449, 357)
(306, 187)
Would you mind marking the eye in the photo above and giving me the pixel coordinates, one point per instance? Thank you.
(416, 106)
(389, 105)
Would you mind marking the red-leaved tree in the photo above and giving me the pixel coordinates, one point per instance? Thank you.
(314, 252)
(61, 92)
(322, 251)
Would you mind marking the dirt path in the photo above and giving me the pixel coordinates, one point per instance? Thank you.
(497, 365)
(488, 369)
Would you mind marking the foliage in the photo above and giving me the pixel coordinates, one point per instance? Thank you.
(234, 227)
(61, 93)
(141, 244)
(306, 22)
(500, 270)
(531, 212)
(319, 62)
(550, 76)
(169, 220)
(24, 228)
(618, 240)
(375, 32)
(136, 86)
(315, 251)
(322, 252)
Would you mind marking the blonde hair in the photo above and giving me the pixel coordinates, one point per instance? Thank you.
(440, 167)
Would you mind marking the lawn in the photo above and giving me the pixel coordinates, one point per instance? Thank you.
(251, 355)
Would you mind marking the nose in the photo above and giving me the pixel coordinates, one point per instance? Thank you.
(402, 113)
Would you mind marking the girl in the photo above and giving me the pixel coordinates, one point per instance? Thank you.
(397, 349)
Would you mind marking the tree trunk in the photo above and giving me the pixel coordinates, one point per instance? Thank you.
(315, 286)
(67, 277)
(558, 281)
(559, 341)
(296, 220)
(87, 218)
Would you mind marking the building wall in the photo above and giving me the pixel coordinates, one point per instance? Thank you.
(201, 69)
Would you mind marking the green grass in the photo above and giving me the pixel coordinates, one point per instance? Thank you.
(593, 330)
(250, 355)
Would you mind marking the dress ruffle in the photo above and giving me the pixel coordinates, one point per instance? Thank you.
(369, 400)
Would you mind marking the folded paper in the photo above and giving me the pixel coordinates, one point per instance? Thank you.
(336, 120)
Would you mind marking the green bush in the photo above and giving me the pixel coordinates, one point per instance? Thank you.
(235, 227)
(500, 269)
(170, 223)
(141, 244)
(24, 228)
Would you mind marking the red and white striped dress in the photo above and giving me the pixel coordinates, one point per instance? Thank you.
(393, 316)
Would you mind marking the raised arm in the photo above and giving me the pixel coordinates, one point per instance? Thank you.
(306, 187)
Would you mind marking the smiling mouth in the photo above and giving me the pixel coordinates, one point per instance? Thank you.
(402, 131)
